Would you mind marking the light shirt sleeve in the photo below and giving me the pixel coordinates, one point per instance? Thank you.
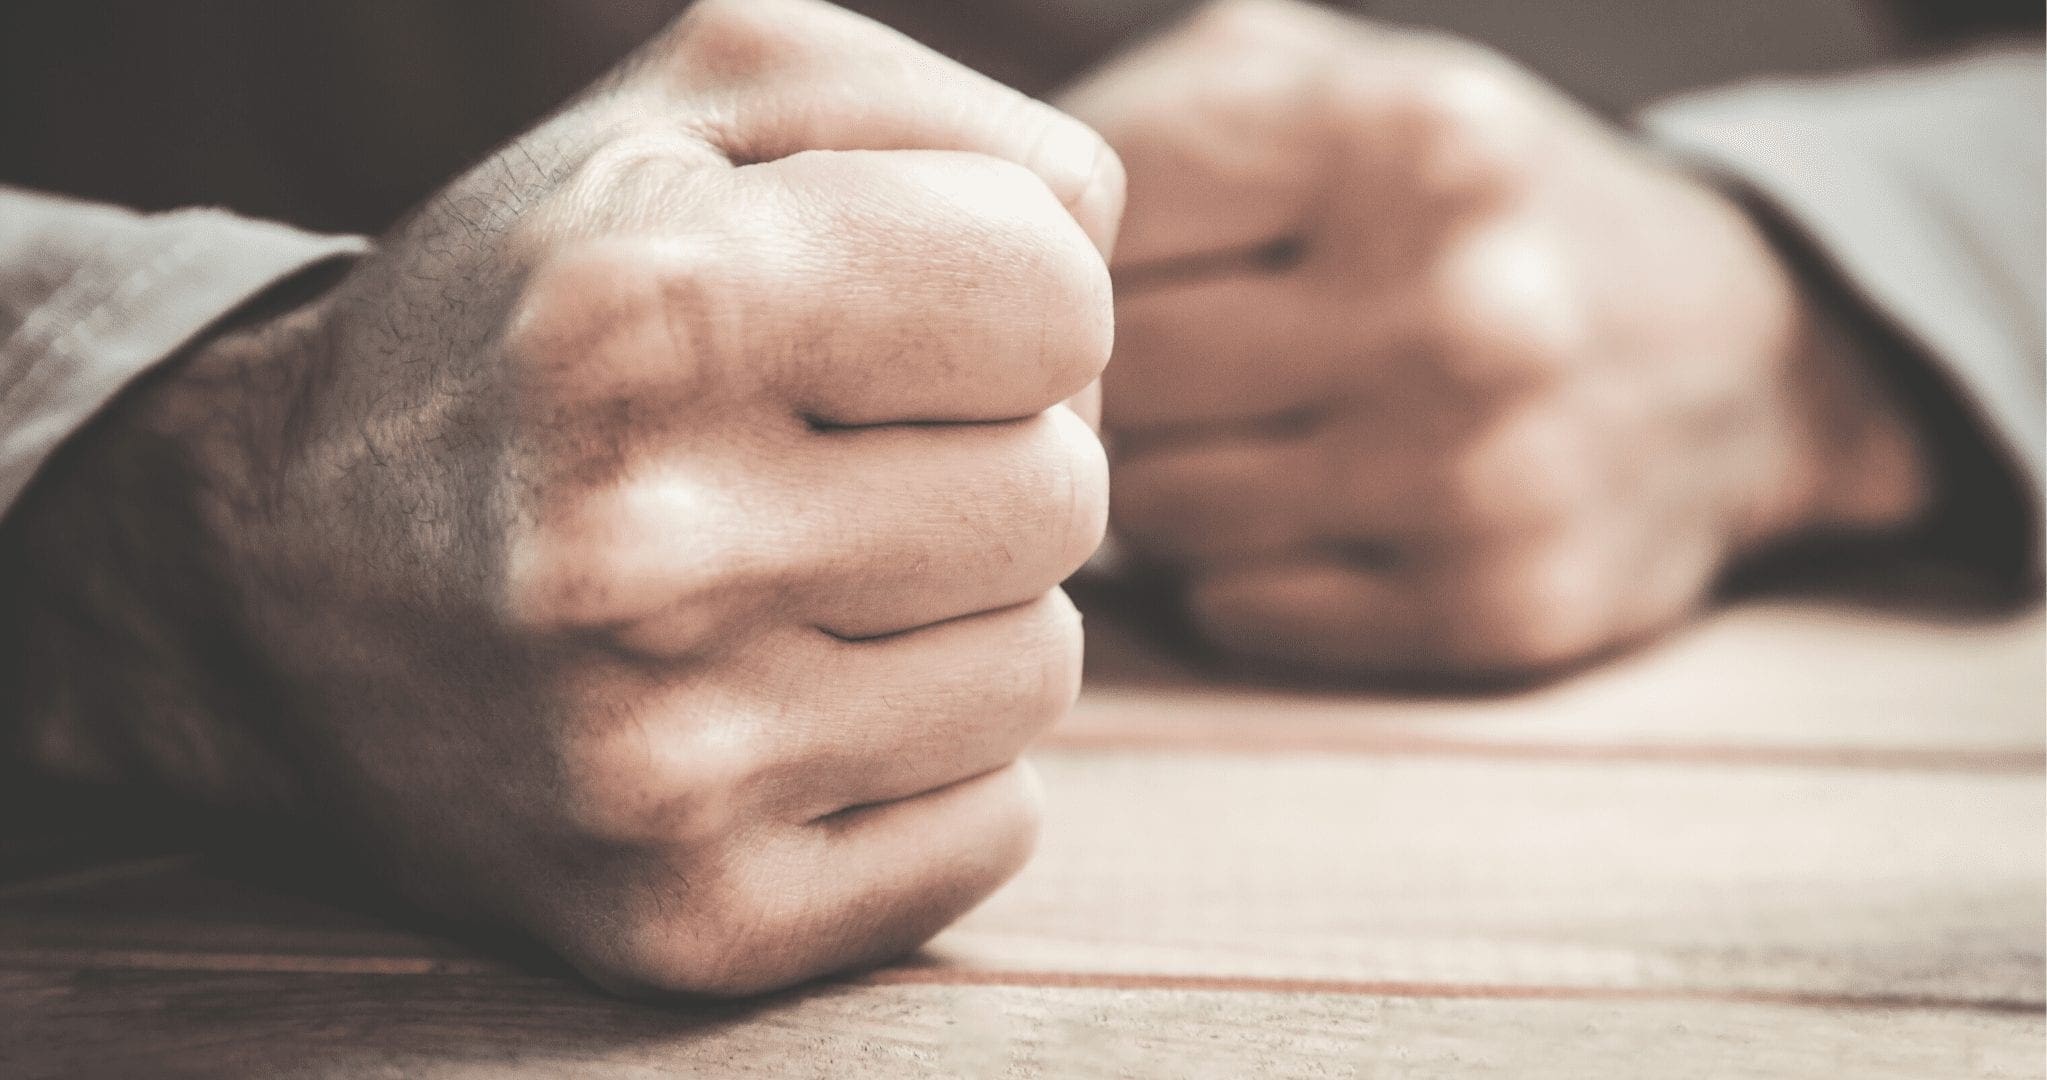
(1921, 188)
(92, 296)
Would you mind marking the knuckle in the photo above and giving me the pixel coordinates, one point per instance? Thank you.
(1073, 318)
(1091, 322)
(1461, 86)
(991, 234)
(601, 317)
(741, 38)
(1072, 491)
(1008, 198)
(570, 307)
(638, 168)
(741, 929)
(1236, 24)
(1016, 828)
(1047, 689)
(1466, 120)
(633, 178)
(1503, 314)
(1526, 477)
(570, 568)
(1064, 278)
(1060, 687)
(607, 561)
(1523, 613)
(714, 943)
(623, 785)
(609, 345)
(558, 582)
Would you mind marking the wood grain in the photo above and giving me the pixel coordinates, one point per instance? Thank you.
(1838, 881)
(100, 1024)
(1797, 842)
(199, 914)
(1855, 884)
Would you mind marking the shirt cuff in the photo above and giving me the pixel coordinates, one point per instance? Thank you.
(1892, 189)
(137, 290)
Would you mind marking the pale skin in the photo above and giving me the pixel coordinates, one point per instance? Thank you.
(1422, 371)
(655, 545)
(654, 548)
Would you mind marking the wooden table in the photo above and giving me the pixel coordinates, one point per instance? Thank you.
(1799, 840)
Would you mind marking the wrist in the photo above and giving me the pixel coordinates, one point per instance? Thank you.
(1851, 458)
(1875, 471)
(124, 561)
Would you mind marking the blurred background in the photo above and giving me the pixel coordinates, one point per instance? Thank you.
(338, 114)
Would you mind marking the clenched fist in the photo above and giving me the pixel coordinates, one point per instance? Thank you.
(655, 546)
(1422, 371)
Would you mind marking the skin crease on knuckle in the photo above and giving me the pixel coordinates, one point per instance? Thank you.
(767, 917)
(1046, 505)
(989, 234)
(1075, 493)
(642, 779)
(597, 352)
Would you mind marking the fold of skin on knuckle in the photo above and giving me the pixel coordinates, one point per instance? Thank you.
(1003, 807)
(949, 248)
(1009, 231)
(1035, 501)
(649, 328)
(1049, 645)
(698, 900)
(1079, 489)
(674, 567)
(1066, 309)
(769, 920)
(686, 778)
(1052, 495)
(630, 380)
(1072, 160)
(1041, 671)
(643, 172)
(975, 713)
(1103, 197)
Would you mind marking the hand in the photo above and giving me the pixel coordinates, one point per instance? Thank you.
(655, 546)
(1421, 371)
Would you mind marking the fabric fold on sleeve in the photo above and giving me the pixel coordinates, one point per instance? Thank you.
(1921, 189)
(92, 296)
